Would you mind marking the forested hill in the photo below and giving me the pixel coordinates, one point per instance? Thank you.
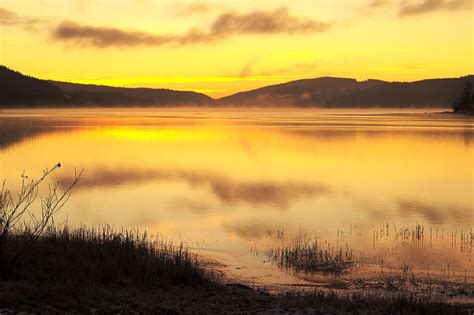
(331, 92)
(99, 95)
(300, 93)
(18, 90)
(424, 93)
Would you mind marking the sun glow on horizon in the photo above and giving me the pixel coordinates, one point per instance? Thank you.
(220, 48)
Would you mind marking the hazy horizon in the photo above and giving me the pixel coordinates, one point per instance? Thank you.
(219, 48)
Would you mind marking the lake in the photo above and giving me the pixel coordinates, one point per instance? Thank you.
(227, 181)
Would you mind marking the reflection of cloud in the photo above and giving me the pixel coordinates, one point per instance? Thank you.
(225, 189)
(195, 206)
(264, 193)
(436, 214)
(224, 26)
(248, 231)
(410, 7)
(374, 210)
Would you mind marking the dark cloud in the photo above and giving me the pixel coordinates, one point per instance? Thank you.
(223, 188)
(10, 18)
(264, 22)
(99, 37)
(410, 7)
(224, 26)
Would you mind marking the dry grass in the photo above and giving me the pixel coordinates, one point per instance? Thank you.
(104, 270)
(103, 256)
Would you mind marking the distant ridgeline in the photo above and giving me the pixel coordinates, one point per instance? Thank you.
(349, 93)
(18, 90)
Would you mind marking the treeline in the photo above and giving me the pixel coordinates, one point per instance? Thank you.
(328, 92)
(18, 90)
(465, 102)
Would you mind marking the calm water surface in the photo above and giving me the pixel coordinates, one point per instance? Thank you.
(220, 180)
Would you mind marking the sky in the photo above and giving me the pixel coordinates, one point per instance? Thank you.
(221, 47)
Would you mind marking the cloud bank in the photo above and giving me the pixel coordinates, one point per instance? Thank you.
(100, 37)
(224, 26)
(411, 7)
(10, 18)
(278, 21)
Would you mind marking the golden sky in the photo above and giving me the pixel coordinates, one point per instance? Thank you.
(221, 47)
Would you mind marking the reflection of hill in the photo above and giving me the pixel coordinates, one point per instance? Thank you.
(16, 130)
(10, 136)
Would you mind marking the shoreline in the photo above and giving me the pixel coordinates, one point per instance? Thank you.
(451, 290)
(102, 271)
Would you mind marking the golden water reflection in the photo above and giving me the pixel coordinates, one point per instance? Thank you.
(219, 179)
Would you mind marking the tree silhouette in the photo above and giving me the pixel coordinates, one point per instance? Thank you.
(465, 103)
(466, 97)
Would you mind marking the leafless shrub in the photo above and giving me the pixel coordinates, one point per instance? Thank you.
(16, 211)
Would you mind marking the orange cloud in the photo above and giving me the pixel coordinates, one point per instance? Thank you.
(10, 18)
(408, 7)
(261, 22)
(99, 37)
(225, 26)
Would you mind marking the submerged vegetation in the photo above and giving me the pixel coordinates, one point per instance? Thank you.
(303, 254)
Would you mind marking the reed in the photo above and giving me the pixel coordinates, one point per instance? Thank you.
(304, 254)
(104, 255)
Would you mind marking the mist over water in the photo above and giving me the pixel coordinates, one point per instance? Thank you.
(220, 179)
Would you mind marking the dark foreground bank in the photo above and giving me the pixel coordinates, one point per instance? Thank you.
(89, 270)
